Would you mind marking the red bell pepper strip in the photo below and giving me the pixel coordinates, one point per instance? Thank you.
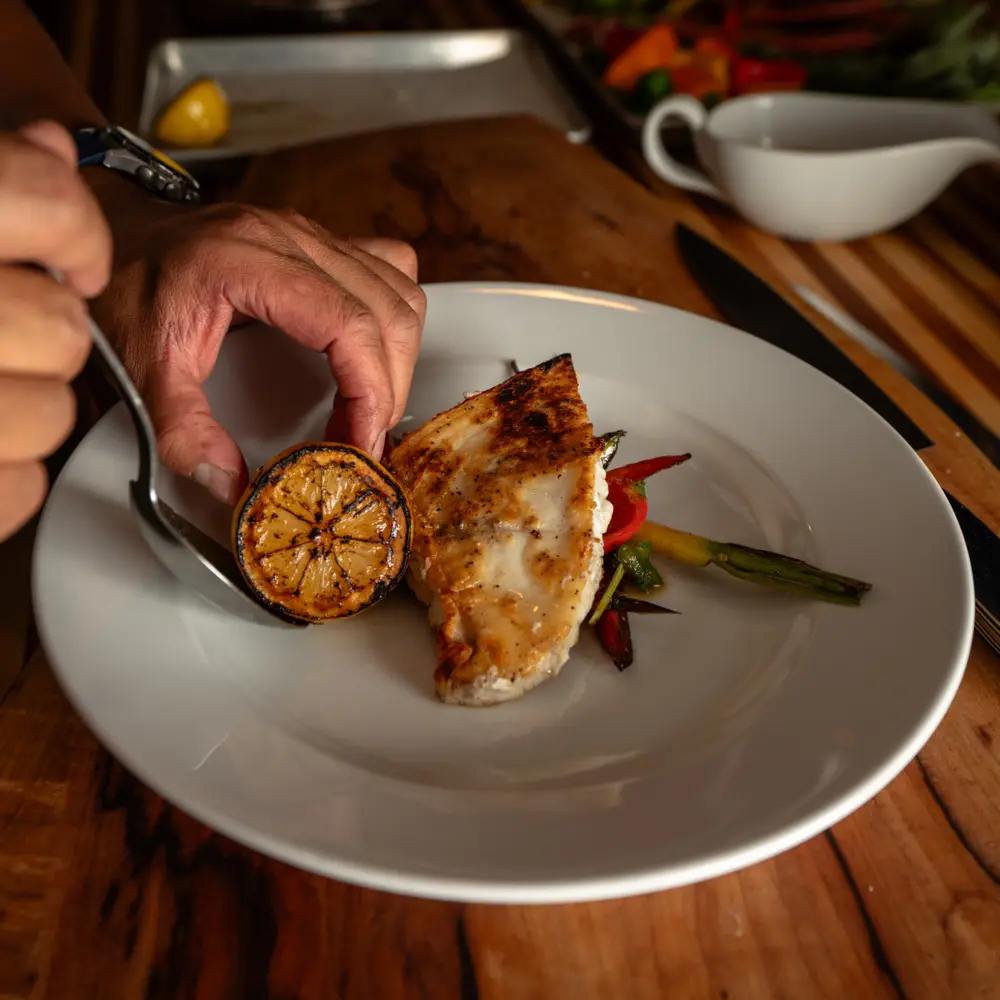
(627, 496)
(630, 512)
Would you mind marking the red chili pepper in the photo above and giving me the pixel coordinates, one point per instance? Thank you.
(628, 498)
(616, 637)
(638, 471)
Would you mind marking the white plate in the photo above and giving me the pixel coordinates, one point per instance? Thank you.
(746, 725)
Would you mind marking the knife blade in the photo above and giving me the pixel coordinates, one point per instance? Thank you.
(750, 304)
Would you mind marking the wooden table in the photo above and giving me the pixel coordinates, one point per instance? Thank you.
(106, 891)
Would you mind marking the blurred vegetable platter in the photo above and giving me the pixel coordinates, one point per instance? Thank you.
(640, 51)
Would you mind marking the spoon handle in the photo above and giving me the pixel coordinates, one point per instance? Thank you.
(133, 403)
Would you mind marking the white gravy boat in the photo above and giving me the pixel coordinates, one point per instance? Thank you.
(821, 166)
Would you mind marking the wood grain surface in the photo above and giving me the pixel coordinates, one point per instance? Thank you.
(107, 892)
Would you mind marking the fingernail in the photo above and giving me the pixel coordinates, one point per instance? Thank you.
(220, 483)
(378, 447)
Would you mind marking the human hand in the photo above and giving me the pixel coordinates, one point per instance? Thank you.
(48, 216)
(168, 310)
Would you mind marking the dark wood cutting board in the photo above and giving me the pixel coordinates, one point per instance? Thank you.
(498, 199)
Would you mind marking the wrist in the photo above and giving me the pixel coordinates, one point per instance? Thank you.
(130, 210)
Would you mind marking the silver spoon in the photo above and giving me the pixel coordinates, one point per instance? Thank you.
(194, 558)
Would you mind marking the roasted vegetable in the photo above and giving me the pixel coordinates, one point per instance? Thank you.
(616, 637)
(322, 532)
(755, 565)
(636, 606)
(627, 494)
(634, 556)
(608, 589)
(611, 443)
(751, 76)
(653, 50)
(943, 49)
(612, 608)
(650, 90)
(638, 472)
(700, 73)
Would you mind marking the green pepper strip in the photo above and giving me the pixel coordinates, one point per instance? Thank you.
(635, 557)
(609, 592)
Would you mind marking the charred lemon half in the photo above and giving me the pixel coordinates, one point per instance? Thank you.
(322, 532)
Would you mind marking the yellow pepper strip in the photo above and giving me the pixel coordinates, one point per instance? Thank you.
(677, 545)
(754, 565)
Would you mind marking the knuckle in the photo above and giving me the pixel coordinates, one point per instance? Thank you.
(358, 320)
(303, 285)
(245, 222)
(405, 325)
(384, 407)
(416, 298)
(402, 256)
(173, 447)
(292, 217)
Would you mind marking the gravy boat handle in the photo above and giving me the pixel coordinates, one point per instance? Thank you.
(692, 112)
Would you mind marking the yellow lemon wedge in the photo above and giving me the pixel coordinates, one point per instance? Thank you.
(322, 532)
(196, 118)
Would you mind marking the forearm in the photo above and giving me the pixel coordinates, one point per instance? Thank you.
(36, 82)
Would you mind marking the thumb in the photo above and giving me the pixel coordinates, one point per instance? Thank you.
(189, 439)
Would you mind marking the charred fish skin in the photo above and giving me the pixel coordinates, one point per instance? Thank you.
(509, 501)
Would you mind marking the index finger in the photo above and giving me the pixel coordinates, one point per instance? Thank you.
(49, 216)
(398, 304)
(299, 298)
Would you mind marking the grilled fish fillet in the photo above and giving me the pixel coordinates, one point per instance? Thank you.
(509, 504)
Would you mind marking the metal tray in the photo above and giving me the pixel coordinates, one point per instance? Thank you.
(285, 91)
